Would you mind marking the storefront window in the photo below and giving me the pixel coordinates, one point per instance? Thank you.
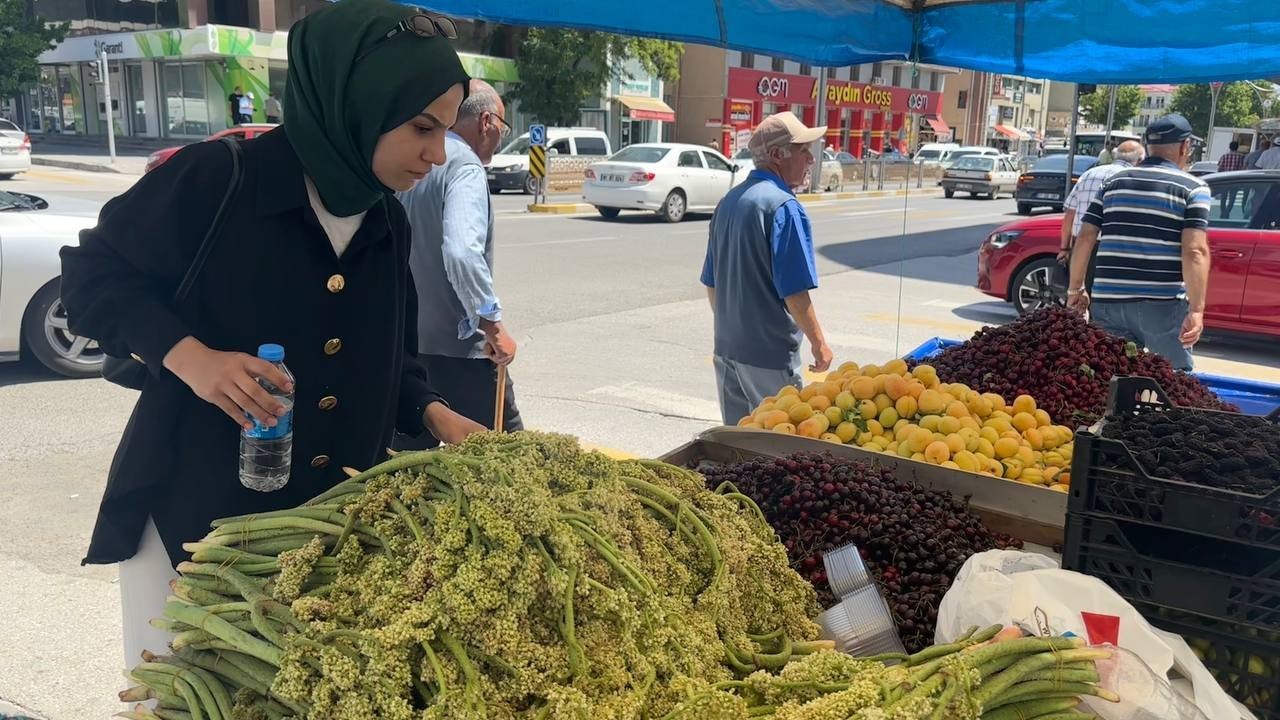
(186, 103)
(87, 17)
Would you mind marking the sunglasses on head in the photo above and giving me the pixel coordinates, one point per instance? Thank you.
(420, 24)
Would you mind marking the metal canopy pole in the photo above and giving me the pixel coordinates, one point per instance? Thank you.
(1071, 144)
(819, 113)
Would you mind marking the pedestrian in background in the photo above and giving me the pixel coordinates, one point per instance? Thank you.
(1231, 160)
(1150, 224)
(715, 144)
(759, 270)
(461, 336)
(1251, 160)
(1270, 158)
(1127, 154)
(247, 108)
(373, 89)
(273, 109)
(1106, 157)
(233, 105)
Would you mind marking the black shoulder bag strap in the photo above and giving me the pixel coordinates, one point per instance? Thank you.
(130, 372)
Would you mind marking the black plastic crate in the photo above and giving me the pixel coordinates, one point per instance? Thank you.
(1246, 664)
(1107, 480)
(1176, 570)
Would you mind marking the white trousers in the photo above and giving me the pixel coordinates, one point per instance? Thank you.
(144, 587)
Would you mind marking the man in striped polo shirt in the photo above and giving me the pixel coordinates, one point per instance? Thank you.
(1150, 225)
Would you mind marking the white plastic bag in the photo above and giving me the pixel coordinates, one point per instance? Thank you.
(1030, 590)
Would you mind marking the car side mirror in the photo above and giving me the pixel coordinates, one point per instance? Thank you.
(553, 151)
(736, 168)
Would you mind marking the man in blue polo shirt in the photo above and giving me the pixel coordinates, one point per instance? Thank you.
(1150, 223)
(759, 270)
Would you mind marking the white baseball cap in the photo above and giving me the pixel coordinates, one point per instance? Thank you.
(784, 129)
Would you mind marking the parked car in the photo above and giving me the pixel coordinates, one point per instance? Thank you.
(509, 169)
(32, 319)
(962, 152)
(1043, 185)
(15, 150)
(1015, 261)
(1203, 167)
(832, 167)
(244, 132)
(934, 153)
(670, 179)
(987, 175)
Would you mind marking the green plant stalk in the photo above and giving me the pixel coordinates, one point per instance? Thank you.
(195, 591)
(171, 714)
(408, 519)
(1087, 675)
(924, 689)
(577, 657)
(220, 695)
(1036, 688)
(208, 698)
(1020, 646)
(469, 673)
(774, 661)
(944, 701)
(666, 514)
(184, 689)
(1031, 709)
(991, 667)
(709, 541)
(436, 667)
(327, 512)
(225, 631)
(403, 461)
(998, 684)
(619, 565)
(224, 668)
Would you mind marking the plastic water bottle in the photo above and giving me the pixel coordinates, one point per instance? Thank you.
(266, 452)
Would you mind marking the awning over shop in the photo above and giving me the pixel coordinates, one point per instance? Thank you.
(940, 126)
(1098, 41)
(1011, 133)
(648, 108)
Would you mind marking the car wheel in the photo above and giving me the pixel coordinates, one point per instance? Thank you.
(530, 184)
(608, 212)
(674, 207)
(1032, 287)
(948, 193)
(1024, 209)
(995, 193)
(45, 334)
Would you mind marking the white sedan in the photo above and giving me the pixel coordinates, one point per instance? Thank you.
(832, 173)
(667, 178)
(15, 150)
(32, 319)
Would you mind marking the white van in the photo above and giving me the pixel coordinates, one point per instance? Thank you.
(509, 169)
(934, 153)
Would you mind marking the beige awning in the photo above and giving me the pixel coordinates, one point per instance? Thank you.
(648, 108)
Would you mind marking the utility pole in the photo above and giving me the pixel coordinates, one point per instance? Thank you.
(1111, 114)
(1214, 89)
(1071, 143)
(819, 118)
(104, 70)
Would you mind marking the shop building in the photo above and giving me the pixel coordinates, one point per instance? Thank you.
(724, 94)
(174, 82)
(1155, 103)
(1005, 111)
(632, 109)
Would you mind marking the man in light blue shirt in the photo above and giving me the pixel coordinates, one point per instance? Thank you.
(461, 338)
(759, 270)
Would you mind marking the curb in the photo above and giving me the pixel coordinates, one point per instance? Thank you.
(561, 208)
(9, 711)
(76, 165)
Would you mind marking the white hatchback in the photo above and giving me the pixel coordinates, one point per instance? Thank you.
(670, 179)
(15, 150)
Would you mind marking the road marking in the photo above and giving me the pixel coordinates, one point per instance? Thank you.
(566, 241)
(932, 323)
(944, 304)
(56, 177)
(886, 211)
(664, 401)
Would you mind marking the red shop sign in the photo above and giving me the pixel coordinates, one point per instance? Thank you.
(783, 88)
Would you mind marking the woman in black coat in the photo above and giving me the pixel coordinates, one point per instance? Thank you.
(313, 256)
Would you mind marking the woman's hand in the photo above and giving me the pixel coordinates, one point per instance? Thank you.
(229, 380)
(448, 426)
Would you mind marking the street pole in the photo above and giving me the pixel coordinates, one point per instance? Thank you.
(1022, 113)
(1111, 115)
(1213, 110)
(104, 69)
(1071, 144)
(819, 113)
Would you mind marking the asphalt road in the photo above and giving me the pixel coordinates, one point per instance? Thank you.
(615, 339)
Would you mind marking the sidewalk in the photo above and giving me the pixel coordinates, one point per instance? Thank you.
(558, 207)
(128, 162)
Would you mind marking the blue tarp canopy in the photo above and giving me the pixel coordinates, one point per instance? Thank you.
(1099, 41)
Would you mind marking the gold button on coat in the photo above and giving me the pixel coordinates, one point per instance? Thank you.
(319, 461)
(336, 283)
(328, 402)
(332, 347)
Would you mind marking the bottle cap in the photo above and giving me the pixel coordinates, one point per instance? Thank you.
(271, 352)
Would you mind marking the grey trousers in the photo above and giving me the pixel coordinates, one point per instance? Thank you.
(1153, 324)
(743, 386)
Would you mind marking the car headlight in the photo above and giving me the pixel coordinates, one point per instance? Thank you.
(998, 240)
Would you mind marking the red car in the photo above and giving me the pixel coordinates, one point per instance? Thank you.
(244, 132)
(1016, 260)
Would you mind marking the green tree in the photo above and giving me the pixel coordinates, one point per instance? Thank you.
(22, 38)
(561, 69)
(1238, 106)
(1095, 105)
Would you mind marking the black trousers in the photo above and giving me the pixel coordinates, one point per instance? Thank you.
(470, 386)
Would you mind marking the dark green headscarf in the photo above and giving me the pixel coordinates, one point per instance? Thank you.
(335, 110)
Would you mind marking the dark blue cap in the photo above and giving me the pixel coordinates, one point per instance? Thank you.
(271, 352)
(1172, 128)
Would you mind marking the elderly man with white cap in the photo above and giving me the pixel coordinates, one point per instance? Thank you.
(759, 270)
